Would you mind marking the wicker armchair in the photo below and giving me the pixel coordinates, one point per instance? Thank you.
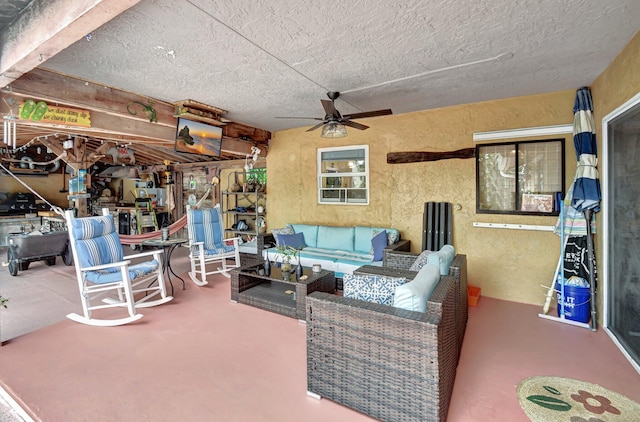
(386, 362)
(397, 264)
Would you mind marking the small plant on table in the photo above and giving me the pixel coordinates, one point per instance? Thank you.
(287, 253)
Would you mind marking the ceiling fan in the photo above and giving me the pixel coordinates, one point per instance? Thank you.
(333, 117)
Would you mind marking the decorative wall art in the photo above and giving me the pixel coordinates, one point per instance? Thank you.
(198, 138)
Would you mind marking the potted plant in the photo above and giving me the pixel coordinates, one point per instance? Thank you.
(252, 182)
(286, 253)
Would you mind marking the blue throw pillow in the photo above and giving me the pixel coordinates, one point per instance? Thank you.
(378, 243)
(295, 240)
(285, 230)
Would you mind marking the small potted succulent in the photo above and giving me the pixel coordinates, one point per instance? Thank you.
(250, 183)
(286, 253)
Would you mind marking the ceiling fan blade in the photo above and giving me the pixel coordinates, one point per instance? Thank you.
(306, 118)
(330, 108)
(369, 114)
(315, 127)
(355, 125)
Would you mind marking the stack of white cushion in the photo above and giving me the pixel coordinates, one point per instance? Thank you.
(414, 295)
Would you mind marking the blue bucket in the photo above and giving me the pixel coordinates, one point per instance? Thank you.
(576, 303)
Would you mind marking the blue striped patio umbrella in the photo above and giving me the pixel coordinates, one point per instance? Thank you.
(585, 189)
(586, 186)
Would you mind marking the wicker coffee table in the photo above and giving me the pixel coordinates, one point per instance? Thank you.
(275, 294)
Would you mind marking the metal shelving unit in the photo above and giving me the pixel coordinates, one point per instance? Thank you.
(242, 206)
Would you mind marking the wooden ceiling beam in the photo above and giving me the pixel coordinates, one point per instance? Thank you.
(246, 133)
(228, 164)
(47, 27)
(111, 121)
(56, 88)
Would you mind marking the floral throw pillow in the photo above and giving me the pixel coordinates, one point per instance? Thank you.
(371, 288)
(392, 237)
(420, 261)
(285, 230)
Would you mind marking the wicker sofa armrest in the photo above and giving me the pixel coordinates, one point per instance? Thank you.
(386, 362)
(399, 259)
(400, 245)
(385, 271)
(457, 269)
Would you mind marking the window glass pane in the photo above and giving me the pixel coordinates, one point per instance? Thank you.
(357, 195)
(520, 177)
(539, 175)
(343, 161)
(331, 195)
(496, 177)
(343, 175)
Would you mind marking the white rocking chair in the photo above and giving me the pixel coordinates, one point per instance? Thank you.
(101, 268)
(207, 244)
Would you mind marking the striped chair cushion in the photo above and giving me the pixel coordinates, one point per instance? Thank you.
(113, 275)
(96, 241)
(205, 225)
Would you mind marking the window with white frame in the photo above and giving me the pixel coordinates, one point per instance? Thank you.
(343, 175)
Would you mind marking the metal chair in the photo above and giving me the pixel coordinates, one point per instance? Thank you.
(104, 273)
(207, 244)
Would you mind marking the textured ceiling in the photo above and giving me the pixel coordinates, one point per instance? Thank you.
(260, 59)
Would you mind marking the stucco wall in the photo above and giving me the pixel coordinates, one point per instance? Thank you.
(508, 264)
(618, 83)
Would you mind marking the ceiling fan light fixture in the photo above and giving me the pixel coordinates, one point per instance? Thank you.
(333, 130)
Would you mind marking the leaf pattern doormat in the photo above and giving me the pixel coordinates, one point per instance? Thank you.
(551, 399)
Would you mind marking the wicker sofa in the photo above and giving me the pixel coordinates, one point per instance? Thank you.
(389, 363)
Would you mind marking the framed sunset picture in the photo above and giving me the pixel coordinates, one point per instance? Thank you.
(198, 138)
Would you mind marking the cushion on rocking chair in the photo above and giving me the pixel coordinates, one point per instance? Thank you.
(112, 275)
(205, 225)
(212, 252)
(97, 243)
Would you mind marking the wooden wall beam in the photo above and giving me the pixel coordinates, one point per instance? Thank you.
(422, 156)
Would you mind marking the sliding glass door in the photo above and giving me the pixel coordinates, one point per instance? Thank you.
(621, 144)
